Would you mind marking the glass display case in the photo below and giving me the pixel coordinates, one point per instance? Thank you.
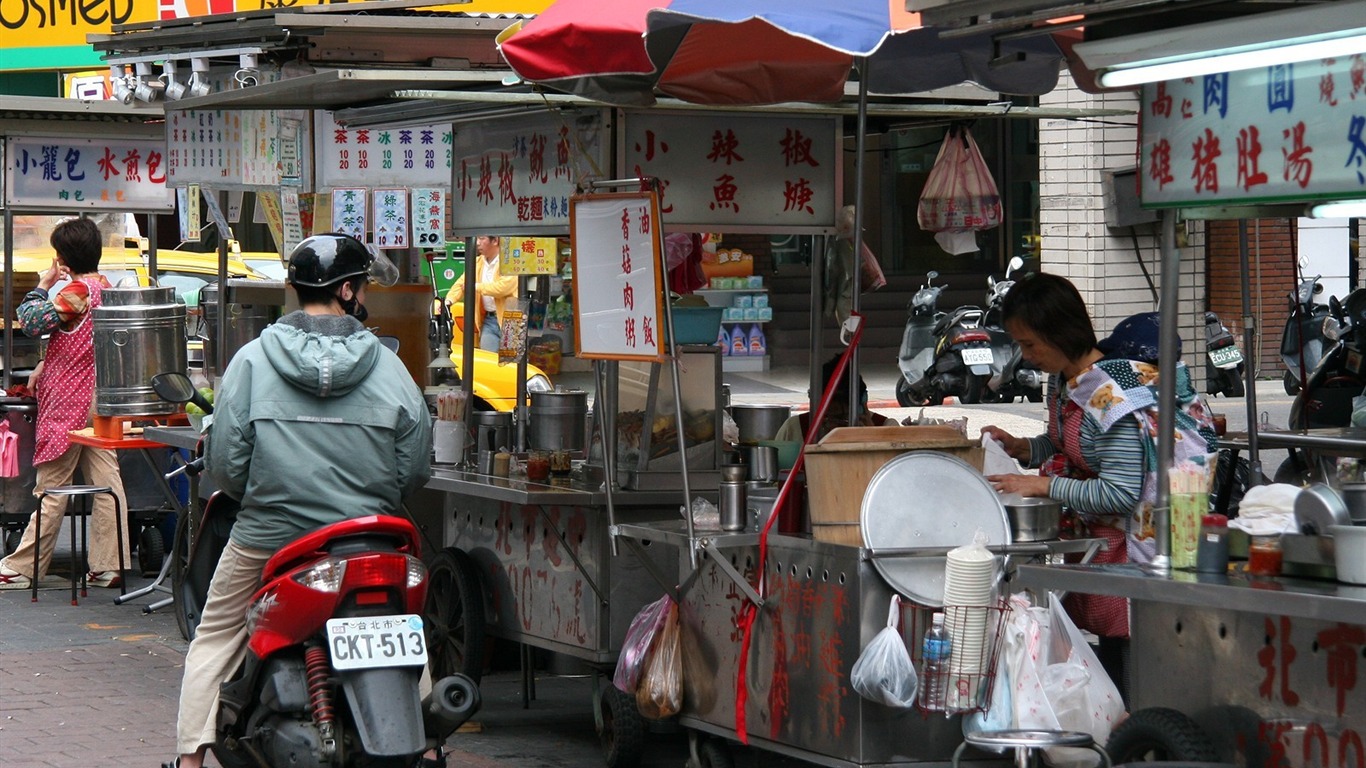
(645, 426)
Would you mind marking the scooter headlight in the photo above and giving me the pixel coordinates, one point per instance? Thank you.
(1332, 329)
(326, 576)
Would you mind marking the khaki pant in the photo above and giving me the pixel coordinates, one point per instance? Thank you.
(100, 467)
(220, 645)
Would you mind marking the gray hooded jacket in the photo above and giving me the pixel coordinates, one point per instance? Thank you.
(315, 422)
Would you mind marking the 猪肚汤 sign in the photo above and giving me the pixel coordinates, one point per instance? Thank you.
(1275, 134)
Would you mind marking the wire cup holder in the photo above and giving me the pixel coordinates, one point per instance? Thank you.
(970, 679)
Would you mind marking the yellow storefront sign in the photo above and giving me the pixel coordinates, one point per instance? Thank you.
(51, 34)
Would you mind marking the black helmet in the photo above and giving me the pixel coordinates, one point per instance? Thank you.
(322, 260)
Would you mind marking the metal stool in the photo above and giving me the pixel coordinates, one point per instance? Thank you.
(78, 570)
(1027, 743)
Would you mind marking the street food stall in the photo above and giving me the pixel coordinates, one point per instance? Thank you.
(1258, 662)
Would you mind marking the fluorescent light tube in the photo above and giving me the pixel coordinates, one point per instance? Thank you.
(1338, 209)
(1233, 62)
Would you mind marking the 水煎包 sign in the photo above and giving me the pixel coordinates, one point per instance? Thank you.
(87, 174)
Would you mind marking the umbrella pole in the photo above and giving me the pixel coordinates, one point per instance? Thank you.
(860, 139)
(1166, 389)
(1249, 367)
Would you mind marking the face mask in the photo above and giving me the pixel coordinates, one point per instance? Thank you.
(353, 307)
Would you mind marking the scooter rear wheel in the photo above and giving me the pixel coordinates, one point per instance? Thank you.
(906, 398)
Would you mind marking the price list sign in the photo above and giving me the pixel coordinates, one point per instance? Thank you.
(429, 218)
(87, 174)
(349, 214)
(391, 218)
(618, 288)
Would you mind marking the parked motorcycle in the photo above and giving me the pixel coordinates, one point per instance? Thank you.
(1011, 375)
(952, 359)
(335, 649)
(1223, 359)
(1302, 340)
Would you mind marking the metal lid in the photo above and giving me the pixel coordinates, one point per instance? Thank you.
(927, 499)
(139, 296)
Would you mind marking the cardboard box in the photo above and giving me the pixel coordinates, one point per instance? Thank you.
(839, 467)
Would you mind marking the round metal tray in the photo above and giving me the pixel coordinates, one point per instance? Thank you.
(927, 500)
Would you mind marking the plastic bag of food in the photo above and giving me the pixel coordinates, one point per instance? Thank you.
(660, 692)
(884, 672)
(512, 344)
(636, 646)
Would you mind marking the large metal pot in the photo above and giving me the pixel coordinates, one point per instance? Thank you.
(139, 332)
(759, 422)
(245, 322)
(558, 420)
(1034, 519)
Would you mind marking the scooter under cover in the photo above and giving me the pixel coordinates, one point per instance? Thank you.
(387, 709)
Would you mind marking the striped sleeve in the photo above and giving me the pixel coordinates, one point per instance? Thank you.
(1117, 457)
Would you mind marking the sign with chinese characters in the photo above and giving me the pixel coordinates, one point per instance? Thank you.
(391, 218)
(1285, 133)
(87, 174)
(516, 175)
(529, 256)
(291, 223)
(349, 214)
(236, 149)
(411, 156)
(732, 173)
(429, 218)
(188, 212)
(618, 288)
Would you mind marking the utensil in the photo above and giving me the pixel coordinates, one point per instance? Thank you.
(734, 473)
(1349, 552)
(759, 422)
(921, 500)
(1318, 507)
(1034, 519)
(762, 461)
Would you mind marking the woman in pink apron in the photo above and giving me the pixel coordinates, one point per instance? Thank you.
(64, 384)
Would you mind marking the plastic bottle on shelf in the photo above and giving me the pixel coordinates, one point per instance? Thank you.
(936, 653)
(739, 342)
(758, 347)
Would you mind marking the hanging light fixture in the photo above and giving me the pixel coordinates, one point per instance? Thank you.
(174, 88)
(249, 73)
(199, 78)
(146, 87)
(118, 81)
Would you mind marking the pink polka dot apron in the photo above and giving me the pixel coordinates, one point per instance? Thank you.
(67, 389)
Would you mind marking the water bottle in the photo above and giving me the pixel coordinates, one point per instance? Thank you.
(934, 677)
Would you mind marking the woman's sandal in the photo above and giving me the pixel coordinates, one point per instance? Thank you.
(14, 580)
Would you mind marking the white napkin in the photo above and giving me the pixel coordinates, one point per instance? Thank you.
(1267, 510)
(996, 461)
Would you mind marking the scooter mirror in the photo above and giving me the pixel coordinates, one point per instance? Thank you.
(1015, 263)
(173, 387)
(931, 275)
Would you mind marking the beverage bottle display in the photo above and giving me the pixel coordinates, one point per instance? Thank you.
(936, 652)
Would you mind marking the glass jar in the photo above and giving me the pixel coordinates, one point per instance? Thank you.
(1264, 556)
(538, 466)
(1212, 551)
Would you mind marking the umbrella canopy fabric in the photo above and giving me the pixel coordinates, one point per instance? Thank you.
(767, 52)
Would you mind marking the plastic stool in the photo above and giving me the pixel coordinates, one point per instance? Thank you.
(1027, 743)
(85, 492)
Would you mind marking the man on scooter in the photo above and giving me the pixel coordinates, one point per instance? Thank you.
(314, 422)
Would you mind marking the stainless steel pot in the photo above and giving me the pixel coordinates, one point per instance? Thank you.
(139, 332)
(1034, 519)
(558, 420)
(1318, 507)
(759, 422)
(245, 322)
(762, 461)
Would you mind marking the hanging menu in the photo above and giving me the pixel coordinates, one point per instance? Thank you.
(391, 218)
(237, 149)
(349, 214)
(410, 156)
(87, 174)
(618, 288)
(429, 218)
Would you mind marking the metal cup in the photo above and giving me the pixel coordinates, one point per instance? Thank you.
(485, 463)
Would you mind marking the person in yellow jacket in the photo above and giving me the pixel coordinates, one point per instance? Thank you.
(491, 290)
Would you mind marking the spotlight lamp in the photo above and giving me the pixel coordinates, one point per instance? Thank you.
(249, 73)
(119, 82)
(146, 87)
(174, 88)
(199, 78)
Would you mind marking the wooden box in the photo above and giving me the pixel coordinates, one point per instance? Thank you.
(839, 467)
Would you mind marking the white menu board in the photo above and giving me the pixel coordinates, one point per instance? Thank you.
(618, 288)
(349, 212)
(429, 218)
(391, 218)
(1290, 133)
(516, 175)
(410, 156)
(87, 174)
(237, 149)
(724, 172)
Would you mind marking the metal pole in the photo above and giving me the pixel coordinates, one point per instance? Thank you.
(9, 308)
(152, 244)
(860, 140)
(814, 383)
(220, 348)
(1166, 389)
(1249, 366)
(471, 333)
(522, 414)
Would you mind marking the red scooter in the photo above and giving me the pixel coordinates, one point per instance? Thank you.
(335, 650)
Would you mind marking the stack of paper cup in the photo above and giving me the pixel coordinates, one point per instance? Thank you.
(970, 575)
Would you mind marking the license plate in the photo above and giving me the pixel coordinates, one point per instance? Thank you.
(377, 641)
(977, 356)
(1225, 356)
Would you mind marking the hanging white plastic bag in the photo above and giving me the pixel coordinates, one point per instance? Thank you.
(883, 672)
(960, 195)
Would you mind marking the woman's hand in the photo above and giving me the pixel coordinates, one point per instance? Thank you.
(53, 274)
(1017, 447)
(1024, 485)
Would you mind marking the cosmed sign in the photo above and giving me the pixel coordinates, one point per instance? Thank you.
(618, 287)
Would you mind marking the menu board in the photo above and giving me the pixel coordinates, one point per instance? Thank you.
(87, 174)
(618, 288)
(529, 256)
(409, 156)
(391, 218)
(429, 218)
(237, 149)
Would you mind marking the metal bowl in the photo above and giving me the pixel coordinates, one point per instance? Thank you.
(1034, 519)
(734, 473)
(758, 422)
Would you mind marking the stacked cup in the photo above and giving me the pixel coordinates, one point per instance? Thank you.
(970, 576)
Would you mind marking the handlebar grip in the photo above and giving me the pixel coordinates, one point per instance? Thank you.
(192, 468)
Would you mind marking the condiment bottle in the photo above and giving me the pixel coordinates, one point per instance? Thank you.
(502, 464)
(1264, 556)
(1212, 553)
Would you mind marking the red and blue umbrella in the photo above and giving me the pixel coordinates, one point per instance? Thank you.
(728, 53)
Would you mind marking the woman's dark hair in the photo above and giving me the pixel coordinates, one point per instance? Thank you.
(326, 294)
(842, 386)
(79, 244)
(1052, 307)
